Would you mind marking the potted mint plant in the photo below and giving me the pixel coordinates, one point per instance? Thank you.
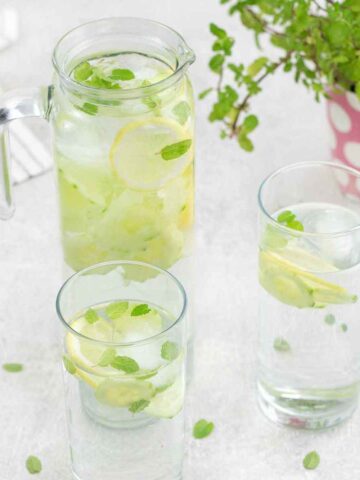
(319, 45)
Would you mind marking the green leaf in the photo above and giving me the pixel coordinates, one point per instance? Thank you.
(256, 66)
(116, 309)
(286, 216)
(330, 319)
(344, 327)
(281, 345)
(89, 108)
(245, 142)
(169, 351)
(202, 429)
(217, 31)
(141, 309)
(250, 123)
(216, 63)
(353, 5)
(357, 90)
(296, 225)
(122, 74)
(205, 93)
(337, 32)
(68, 364)
(311, 460)
(13, 367)
(182, 112)
(176, 150)
(91, 316)
(126, 364)
(33, 464)
(138, 406)
(83, 71)
(107, 357)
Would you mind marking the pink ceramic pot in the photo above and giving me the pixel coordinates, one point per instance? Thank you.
(344, 118)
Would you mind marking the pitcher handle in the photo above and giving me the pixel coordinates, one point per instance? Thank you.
(34, 102)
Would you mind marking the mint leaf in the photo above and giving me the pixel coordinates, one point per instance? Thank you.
(256, 66)
(138, 406)
(344, 327)
(176, 150)
(123, 74)
(250, 123)
(202, 429)
(169, 351)
(107, 357)
(217, 31)
(33, 465)
(311, 460)
(12, 367)
(116, 309)
(141, 309)
(245, 142)
(281, 345)
(286, 216)
(296, 225)
(83, 71)
(182, 112)
(91, 316)
(89, 108)
(126, 364)
(216, 63)
(329, 319)
(205, 93)
(69, 366)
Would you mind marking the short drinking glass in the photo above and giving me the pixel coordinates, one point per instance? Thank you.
(124, 348)
(309, 272)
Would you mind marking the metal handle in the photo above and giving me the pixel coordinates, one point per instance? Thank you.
(17, 104)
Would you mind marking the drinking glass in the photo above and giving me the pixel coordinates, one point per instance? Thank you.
(309, 272)
(124, 351)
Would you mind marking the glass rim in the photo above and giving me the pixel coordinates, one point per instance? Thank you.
(143, 341)
(294, 166)
(188, 57)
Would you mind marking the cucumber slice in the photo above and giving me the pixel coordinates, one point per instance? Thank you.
(296, 287)
(121, 393)
(168, 402)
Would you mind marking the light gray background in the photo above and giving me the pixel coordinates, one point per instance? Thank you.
(293, 128)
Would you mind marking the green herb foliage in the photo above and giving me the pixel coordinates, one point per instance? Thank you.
(175, 150)
(319, 46)
(289, 219)
(138, 406)
(169, 351)
(126, 364)
(33, 464)
(13, 367)
(281, 345)
(311, 460)
(202, 429)
(141, 309)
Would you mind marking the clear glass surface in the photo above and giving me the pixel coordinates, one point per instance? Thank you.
(309, 274)
(124, 352)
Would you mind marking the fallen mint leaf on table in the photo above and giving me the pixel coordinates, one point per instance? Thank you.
(281, 345)
(344, 327)
(202, 429)
(311, 460)
(13, 367)
(33, 464)
(329, 319)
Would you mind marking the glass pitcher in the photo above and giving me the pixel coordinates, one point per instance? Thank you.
(122, 115)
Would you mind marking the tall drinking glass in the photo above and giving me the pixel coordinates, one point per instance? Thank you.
(309, 272)
(124, 350)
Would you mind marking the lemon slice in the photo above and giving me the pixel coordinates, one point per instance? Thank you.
(296, 287)
(135, 154)
(85, 353)
(169, 402)
(122, 393)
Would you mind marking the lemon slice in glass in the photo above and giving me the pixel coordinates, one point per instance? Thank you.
(122, 393)
(136, 153)
(167, 403)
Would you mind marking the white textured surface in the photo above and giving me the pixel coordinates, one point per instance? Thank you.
(244, 445)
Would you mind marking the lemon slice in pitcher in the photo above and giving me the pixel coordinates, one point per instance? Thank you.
(146, 154)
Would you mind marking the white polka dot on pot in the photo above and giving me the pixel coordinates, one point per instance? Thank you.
(341, 176)
(352, 153)
(354, 102)
(340, 118)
